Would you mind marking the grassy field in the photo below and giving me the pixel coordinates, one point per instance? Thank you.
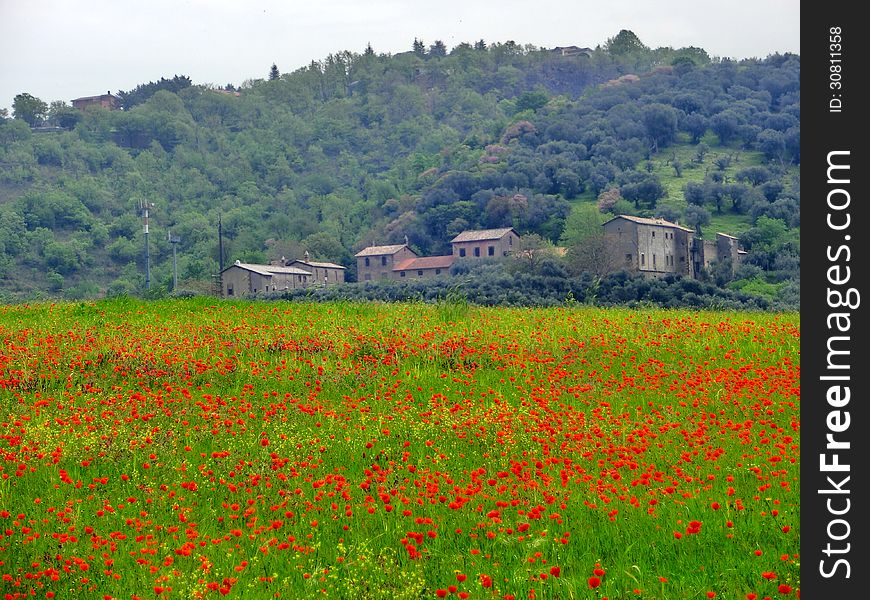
(201, 448)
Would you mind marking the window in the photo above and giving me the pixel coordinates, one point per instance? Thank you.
(654, 260)
(229, 290)
(438, 271)
(401, 274)
(420, 273)
(490, 251)
(383, 261)
(653, 233)
(462, 252)
(510, 240)
(642, 258)
(628, 258)
(477, 251)
(367, 262)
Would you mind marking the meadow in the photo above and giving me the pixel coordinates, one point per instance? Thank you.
(202, 448)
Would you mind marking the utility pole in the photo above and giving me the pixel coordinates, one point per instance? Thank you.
(144, 205)
(220, 244)
(174, 240)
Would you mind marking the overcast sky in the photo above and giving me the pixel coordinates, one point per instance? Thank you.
(62, 49)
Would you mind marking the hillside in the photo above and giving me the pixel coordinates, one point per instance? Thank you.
(362, 148)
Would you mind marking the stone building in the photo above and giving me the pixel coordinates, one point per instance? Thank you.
(656, 247)
(107, 100)
(377, 262)
(323, 273)
(423, 267)
(243, 279)
(653, 247)
(485, 243)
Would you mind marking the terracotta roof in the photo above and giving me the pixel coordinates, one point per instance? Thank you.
(645, 221)
(267, 270)
(322, 265)
(381, 250)
(477, 235)
(425, 262)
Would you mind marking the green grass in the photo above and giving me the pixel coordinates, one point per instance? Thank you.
(197, 448)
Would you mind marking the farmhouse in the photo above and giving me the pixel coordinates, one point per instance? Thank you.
(485, 243)
(424, 266)
(323, 273)
(572, 51)
(107, 100)
(377, 262)
(240, 279)
(656, 247)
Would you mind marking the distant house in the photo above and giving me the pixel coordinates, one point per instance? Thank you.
(424, 266)
(656, 247)
(107, 100)
(723, 248)
(377, 262)
(485, 243)
(323, 273)
(653, 247)
(572, 51)
(242, 279)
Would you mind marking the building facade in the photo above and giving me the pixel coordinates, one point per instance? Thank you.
(244, 279)
(485, 243)
(377, 262)
(323, 273)
(654, 247)
(107, 100)
(426, 267)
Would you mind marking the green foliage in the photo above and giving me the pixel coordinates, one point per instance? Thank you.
(29, 109)
(362, 147)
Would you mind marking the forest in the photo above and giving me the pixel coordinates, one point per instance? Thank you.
(367, 148)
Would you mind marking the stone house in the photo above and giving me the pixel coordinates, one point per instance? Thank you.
(323, 273)
(654, 247)
(242, 279)
(107, 100)
(485, 243)
(724, 247)
(377, 262)
(423, 267)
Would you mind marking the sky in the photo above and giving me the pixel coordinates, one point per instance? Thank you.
(62, 49)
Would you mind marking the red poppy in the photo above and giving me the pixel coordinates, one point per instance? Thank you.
(594, 582)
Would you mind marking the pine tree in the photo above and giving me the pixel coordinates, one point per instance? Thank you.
(274, 73)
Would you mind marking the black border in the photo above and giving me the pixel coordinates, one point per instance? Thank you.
(822, 132)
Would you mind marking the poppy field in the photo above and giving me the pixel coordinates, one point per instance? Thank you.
(206, 449)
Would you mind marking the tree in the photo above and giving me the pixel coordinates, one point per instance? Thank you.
(438, 49)
(274, 73)
(418, 47)
(480, 45)
(60, 114)
(532, 101)
(647, 189)
(369, 51)
(29, 109)
(660, 121)
(625, 42)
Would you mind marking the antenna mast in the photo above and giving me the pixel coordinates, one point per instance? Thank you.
(220, 244)
(144, 206)
(174, 240)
